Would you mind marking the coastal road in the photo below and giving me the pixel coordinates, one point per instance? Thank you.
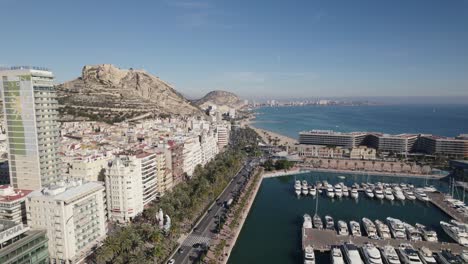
(203, 232)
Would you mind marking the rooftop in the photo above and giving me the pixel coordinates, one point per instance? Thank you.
(23, 68)
(8, 193)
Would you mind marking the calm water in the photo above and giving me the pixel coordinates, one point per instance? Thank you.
(271, 233)
(444, 120)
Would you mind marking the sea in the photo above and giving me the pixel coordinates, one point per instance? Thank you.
(272, 231)
(443, 120)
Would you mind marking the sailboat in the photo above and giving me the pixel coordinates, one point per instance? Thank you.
(317, 220)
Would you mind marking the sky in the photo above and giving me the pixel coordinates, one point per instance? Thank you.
(256, 49)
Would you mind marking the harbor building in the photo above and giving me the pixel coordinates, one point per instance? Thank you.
(331, 138)
(20, 244)
(73, 214)
(13, 204)
(30, 111)
(124, 190)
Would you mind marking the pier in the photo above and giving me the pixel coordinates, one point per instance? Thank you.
(438, 200)
(322, 240)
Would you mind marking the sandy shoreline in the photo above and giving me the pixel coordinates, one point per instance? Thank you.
(271, 137)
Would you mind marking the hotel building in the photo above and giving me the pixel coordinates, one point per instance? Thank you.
(73, 215)
(30, 109)
(331, 138)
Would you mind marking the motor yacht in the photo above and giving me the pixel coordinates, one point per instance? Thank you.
(412, 232)
(338, 191)
(409, 194)
(408, 255)
(336, 255)
(330, 192)
(355, 228)
(456, 233)
(351, 254)
(369, 192)
(464, 256)
(297, 187)
(383, 229)
(427, 256)
(398, 193)
(354, 193)
(447, 257)
(317, 221)
(342, 228)
(370, 228)
(427, 234)
(389, 255)
(307, 221)
(371, 254)
(397, 228)
(345, 191)
(329, 223)
(305, 187)
(421, 195)
(312, 190)
(389, 195)
(379, 193)
(309, 255)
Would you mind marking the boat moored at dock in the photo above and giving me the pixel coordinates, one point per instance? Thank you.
(371, 254)
(336, 255)
(370, 228)
(408, 255)
(383, 229)
(427, 234)
(427, 256)
(458, 234)
(342, 228)
(329, 223)
(389, 255)
(351, 254)
(317, 221)
(355, 228)
(397, 228)
(412, 232)
(389, 194)
(309, 255)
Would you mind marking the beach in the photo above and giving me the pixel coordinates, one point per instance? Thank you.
(270, 137)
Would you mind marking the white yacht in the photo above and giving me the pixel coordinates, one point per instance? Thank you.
(383, 229)
(342, 228)
(456, 233)
(398, 193)
(371, 254)
(297, 187)
(389, 255)
(412, 232)
(312, 190)
(351, 254)
(397, 228)
(355, 228)
(354, 193)
(329, 223)
(305, 187)
(338, 191)
(317, 221)
(336, 255)
(307, 222)
(409, 194)
(330, 192)
(447, 257)
(369, 192)
(389, 195)
(408, 255)
(345, 191)
(426, 256)
(370, 228)
(427, 234)
(421, 195)
(309, 255)
(379, 193)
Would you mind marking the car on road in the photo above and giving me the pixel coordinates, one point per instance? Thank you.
(172, 261)
(181, 250)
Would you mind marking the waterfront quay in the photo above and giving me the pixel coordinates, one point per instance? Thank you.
(438, 200)
(322, 240)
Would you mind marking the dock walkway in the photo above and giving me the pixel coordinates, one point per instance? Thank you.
(322, 240)
(438, 199)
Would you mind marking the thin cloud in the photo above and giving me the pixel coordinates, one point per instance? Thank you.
(189, 4)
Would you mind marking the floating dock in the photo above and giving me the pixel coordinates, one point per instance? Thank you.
(323, 239)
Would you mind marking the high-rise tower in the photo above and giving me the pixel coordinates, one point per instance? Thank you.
(30, 111)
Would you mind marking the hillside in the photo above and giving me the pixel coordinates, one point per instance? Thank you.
(222, 99)
(105, 92)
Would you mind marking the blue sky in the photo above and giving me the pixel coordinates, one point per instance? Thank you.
(262, 48)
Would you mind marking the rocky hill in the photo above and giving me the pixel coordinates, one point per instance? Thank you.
(105, 92)
(222, 99)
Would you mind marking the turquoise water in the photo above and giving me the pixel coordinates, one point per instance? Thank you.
(444, 120)
(271, 233)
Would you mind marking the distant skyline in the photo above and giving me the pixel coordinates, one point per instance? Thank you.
(256, 49)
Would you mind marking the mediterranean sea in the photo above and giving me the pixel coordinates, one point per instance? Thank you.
(443, 120)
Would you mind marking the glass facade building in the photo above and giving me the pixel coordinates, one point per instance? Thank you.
(30, 109)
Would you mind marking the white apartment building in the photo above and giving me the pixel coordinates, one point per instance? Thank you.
(222, 133)
(191, 154)
(12, 204)
(87, 168)
(30, 111)
(73, 215)
(124, 190)
(363, 153)
(209, 147)
(165, 180)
